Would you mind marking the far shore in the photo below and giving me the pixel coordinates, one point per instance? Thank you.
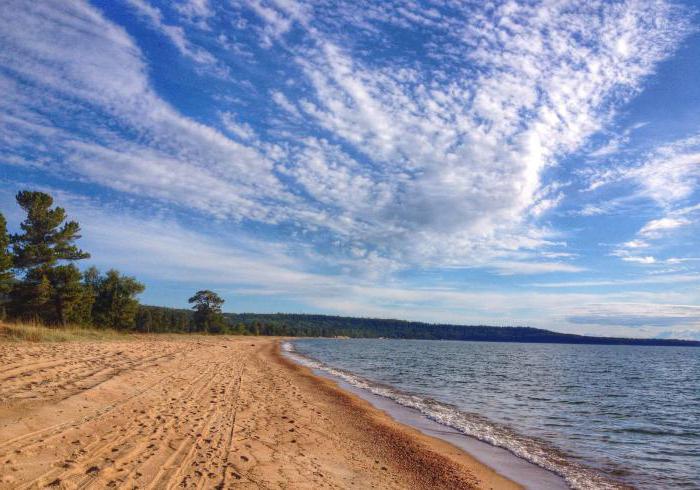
(205, 412)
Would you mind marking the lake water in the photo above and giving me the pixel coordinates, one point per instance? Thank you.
(599, 416)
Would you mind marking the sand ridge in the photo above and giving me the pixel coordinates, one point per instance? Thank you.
(202, 412)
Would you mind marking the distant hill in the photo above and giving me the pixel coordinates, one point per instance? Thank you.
(163, 319)
(303, 325)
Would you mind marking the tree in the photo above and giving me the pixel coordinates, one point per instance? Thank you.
(6, 274)
(207, 311)
(71, 301)
(46, 238)
(49, 290)
(91, 279)
(115, 301)
(146, 321)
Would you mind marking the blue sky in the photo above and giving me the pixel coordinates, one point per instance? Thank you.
(504, 163)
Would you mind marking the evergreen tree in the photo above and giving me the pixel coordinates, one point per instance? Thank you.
(6, 275)
(70, 300)
(116, 305)
(207, 311)
(91, 279)
(30, 298)
(46, 239)
(49, 291)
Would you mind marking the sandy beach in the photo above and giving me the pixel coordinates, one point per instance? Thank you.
(203, 412)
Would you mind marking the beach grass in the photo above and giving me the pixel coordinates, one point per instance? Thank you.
(36, 332)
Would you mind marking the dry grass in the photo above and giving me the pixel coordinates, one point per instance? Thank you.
(34, 332)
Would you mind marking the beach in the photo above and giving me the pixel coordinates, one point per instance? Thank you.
(204, 412)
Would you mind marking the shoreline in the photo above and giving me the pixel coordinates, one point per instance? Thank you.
(436, 454)
(204, 412)
(499, 460)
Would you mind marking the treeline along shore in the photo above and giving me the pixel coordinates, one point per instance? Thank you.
(162, 319)
(40, 282)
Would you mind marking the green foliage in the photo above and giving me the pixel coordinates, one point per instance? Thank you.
(91, 279)
(207, 312)
(304, 325)
(6, 275)
(46, 239)
(52, 290)
(30, 299)
(49, 291)
(161, 319)
(67, 293)
(115, 304)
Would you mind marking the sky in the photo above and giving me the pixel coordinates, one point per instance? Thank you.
(478, 162)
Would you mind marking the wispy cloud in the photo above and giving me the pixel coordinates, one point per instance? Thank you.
(176, 34)
(508, 268)
(197, 11)
(669, 179)
(640, 315)
(658, 279)
(615, 144)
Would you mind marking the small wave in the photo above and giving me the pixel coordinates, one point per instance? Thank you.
(473, 425)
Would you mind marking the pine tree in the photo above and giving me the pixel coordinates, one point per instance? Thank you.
(70, 300)
(207, 311)
(6, 274)
(49, 291)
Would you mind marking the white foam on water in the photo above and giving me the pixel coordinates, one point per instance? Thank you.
(577, 476)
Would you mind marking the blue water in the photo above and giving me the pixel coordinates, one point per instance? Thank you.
(600, 416)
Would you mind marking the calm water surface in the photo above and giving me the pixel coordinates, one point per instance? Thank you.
(600, 416)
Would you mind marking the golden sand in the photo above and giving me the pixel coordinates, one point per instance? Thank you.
(202, 412)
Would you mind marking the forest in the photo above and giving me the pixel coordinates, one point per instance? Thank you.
(306, 325)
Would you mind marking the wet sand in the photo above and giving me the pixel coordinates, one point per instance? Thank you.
(203, 412)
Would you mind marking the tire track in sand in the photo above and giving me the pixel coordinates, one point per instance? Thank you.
(182, 440)
(117, 436)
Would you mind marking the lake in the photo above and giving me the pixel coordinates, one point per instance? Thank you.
(601, 416)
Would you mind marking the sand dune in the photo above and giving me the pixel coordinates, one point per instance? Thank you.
(202, 412)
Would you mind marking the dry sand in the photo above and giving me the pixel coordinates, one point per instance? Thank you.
(202, 412)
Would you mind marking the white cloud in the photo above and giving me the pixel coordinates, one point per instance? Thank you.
(615, 144)
(196, 10)
(284, 103)
(658, 279)
(172, 157)
(672, 175)
(655, 227)
(520, 267)
(464, 158)
(176, 34)
(242, 130)
(647, 259)
(669, 178)
(438, 162)
(638, 315)
(635, 244)
(680, 333)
